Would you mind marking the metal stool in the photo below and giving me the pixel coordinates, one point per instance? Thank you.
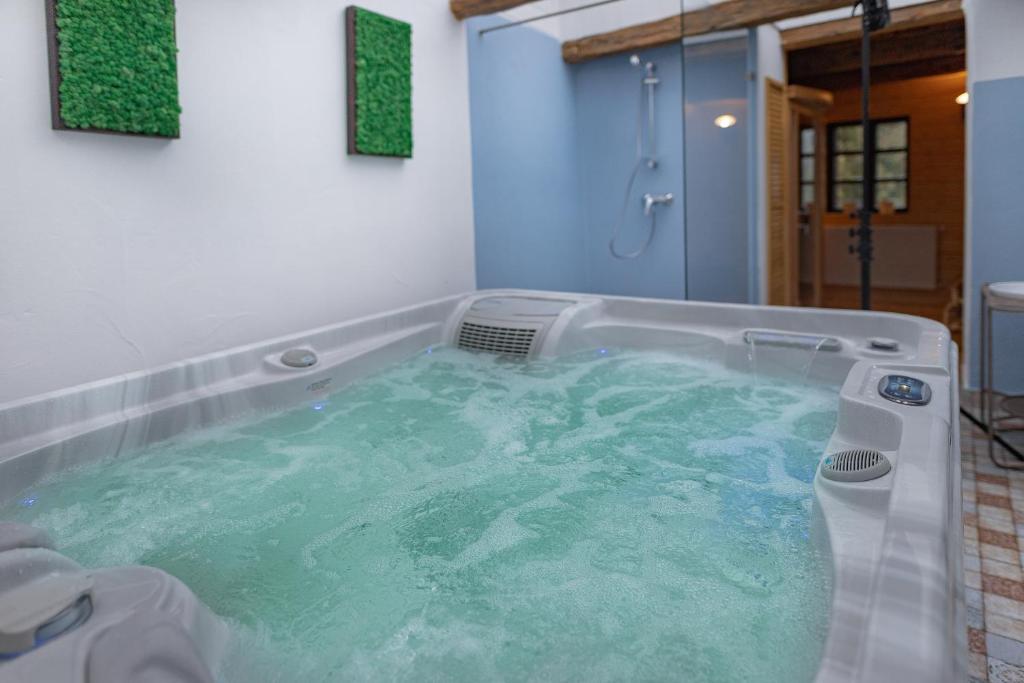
(1007, 297)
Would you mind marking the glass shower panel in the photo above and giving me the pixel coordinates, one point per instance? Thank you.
(720, 254)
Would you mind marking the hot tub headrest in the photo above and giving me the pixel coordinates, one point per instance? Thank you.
(61, 623)
(14, 535)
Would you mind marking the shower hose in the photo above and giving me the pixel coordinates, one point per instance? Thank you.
(622, 218)
(641, 161)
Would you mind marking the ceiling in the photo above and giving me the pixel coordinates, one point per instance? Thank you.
(896, 55)
(631, 12)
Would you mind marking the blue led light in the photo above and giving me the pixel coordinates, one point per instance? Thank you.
(318, 406)
(430, 350)
(28, 502)
(602, 352)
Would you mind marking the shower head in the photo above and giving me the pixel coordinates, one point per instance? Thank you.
(649, 68)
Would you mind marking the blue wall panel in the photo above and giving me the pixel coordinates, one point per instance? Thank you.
(525, 191)
(608, 95)
(553, 150)
(997, 221)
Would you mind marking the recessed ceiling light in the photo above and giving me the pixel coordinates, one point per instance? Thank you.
(963, 98)
(725, 121)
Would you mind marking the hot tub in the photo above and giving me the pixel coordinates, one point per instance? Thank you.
(514, 484)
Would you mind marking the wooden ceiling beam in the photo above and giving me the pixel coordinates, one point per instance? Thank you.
(723, 16)
(734, 14)
(914, 16)
(885, 74)
(810, 98)
(640, 37)
(464, 9)
(911, 45)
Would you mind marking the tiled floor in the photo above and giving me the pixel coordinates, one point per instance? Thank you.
(993, 540)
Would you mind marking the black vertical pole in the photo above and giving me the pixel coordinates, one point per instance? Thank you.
(864, 248)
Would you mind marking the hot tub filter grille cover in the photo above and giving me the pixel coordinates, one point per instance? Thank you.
(509, 341)
(855, 465)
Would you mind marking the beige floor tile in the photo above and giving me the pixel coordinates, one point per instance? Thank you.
(998, 553)
(1005, 570)
(990, 512)
(994, 489)
(1003, 523)
(997, 604)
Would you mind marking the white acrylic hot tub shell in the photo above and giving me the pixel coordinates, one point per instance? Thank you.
(897, 611)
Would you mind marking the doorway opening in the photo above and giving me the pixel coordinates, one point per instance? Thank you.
(917, 132)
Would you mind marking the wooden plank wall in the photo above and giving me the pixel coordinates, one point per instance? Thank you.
(937, 132)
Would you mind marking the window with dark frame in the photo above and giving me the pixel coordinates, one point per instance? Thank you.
(806, 168)
(891, 139)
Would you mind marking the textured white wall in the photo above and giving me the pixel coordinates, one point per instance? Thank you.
(994, 46)
(551, 27)
(119, 253)
(771, 63)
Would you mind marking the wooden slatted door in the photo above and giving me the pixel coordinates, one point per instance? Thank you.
(781, 244)
(807, 109)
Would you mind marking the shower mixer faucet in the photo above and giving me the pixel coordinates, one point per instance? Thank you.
(651, 200)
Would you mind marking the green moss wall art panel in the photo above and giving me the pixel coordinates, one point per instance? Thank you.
(379, 84)
(114, 66)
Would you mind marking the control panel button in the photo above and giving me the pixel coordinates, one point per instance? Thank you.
(908, 391)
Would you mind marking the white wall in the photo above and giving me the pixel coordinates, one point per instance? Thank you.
(771, 63)
(995, 49)
(551, 27)
(118, 253)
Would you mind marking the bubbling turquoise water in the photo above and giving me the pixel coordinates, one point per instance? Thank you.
(614, 515)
